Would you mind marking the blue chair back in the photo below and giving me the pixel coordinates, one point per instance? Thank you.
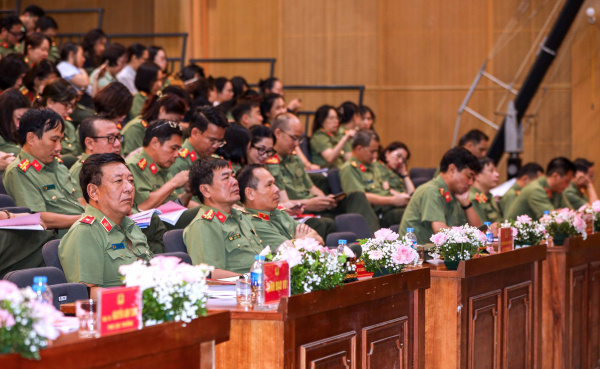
(173, 241)
(333, 177)
(24, 277)
(50, 254)
(333, 238)
(6, 201)
(354, 223)
(185, 258)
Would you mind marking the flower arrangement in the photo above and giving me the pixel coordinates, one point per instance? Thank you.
(386, 252)
(25, 323)
(170, 291)
(564, 223)
(312, 266)
(592, 210)
(526, 231)
(457, 243)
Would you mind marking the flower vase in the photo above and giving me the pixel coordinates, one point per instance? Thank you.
(559, 239)
(381, 272)
(451, 264)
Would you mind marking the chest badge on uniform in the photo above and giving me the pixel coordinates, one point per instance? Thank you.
(193, 156)
(153, 168)
(117, 246)
(106, 224)
(142, 164)
(24, 165)
(264, 216)
(222, 218)
(209, 214)
(234, 237)
(49, 187)
(88, 220)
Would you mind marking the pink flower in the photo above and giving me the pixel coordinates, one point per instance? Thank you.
(559, 220)
(462, 240)
(515, 231)
(596, 206)
(459, 230)
(45, 315)
(482, 237)
(308, 244)
(10, 292)
(165, 263)
(266, 251)
(375, 254)
(6, 319)
(582, 208)
(579, 224)
(348, 252)
(403, 255)
(439, 238)
(564, 211)
(386, 234)
(292, 256)
(525, 219)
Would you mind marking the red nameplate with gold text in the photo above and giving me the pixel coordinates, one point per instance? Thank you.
(506, 241)
(119, 310)
(589, 223)
(361, 271)
(277, 281)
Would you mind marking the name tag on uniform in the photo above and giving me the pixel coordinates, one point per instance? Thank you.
(369, 181)
(156, 187)
(117, 246)
(49, 187)
(234, 237)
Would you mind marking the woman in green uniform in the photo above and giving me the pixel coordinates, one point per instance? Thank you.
(148, 81)
(392, 167)
(327, 145)
(61, 97)
(13, 104)
(38, 77)
(113, 102)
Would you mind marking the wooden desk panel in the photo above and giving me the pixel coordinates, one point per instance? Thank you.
(373, 323)
(486, 313)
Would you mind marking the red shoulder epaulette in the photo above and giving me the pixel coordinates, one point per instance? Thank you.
(144, 123)
(273, 160)
(184, 152)
(88, 220)
(281, 207)
(142, 164)
(24, 165)
(209, 215)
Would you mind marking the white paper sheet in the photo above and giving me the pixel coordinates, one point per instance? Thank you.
(503, 188)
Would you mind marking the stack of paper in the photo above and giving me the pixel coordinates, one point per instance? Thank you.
(142, 219)
(30, 222)
(171, 212)
(221, 292)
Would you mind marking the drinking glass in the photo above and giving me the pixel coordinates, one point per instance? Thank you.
(243, 292)
(86, 312)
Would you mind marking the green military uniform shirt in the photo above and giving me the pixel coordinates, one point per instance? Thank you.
(6, 49)
(42, 187)
(139, 99)
(393, 179)
(54, 53)
(148, 177)
(78, 115)
(341, 132)
(273, 227)
(363, 178)
(575, 196)
(224, 241)
(509, 197)
(70, 143)
(431, 202)
(95, 247)
(290, 175)
(9, 147)
(485, 206)
(76, 168)
(133, 135)
(534, 199)
(321, 141)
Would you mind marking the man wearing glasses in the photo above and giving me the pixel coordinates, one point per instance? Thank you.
(101, 136)
(11, 33)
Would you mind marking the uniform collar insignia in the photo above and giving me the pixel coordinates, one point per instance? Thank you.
(209, 214)
(106, 224)
(119, 126)
(362, 168)
(143, 93)
(37, 166)
(153, 168)
(222, 218)
(281, 207)
(264, 216)
(144, 123)
(142, 164)
(88, 220)
(24, 165)
(548, 192)
(193, 156)
(445, 194)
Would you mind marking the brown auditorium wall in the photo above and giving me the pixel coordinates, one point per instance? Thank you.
(417, 59)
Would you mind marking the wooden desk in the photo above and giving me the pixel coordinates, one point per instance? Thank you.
(486, 313)
(571, 305)
(169, 345)
(372, 323)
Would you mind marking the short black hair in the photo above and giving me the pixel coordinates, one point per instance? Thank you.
(485, 161)
(204, 115)
(220, 83)
(91, 170)
(58, 90)
(145, 76)
(346, 111)
(12, 66)
(178, 91)
(34, 10)
(237, 84)
(39, 121)
(203, 171)
(364, 138)
(243, 107)
(135, 49)
(560, 165)
(530, 170)
(237, 138)
(461, 158)
(113, 101)
(87, 129)
(41, 70)
(583, 165)
(44, 23)
(68, 48)
(267, 103)
(11, 100)
(363, 109)
(393, 147)
(259, 132)
(474, 136)
(112, 53)
(163, 130)
(266, 84)
(246, 178)
(171, 103)
(9, 21)
(189, 71)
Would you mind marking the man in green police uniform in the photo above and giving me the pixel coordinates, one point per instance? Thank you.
(104, 238)
(220, 235)
(443, 202)
(361, 174)
(295, 184)
(11, 33)
(154, 185)
(483, 201)
(528, 173)
(546, 192)
(207, 129)
(260, 197)
(101, 136)
(37, 179)
(581, 190)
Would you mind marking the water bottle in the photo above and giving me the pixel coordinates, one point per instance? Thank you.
(257, 280)
(410, 235)
(340, 248)
(488, 233)
(546, 212)
(41, 289)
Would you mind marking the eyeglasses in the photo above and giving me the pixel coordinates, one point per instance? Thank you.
(67, 104)
(263, 151)
(111, 139)
(217, 143)
(17, 34)
(295, 138)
